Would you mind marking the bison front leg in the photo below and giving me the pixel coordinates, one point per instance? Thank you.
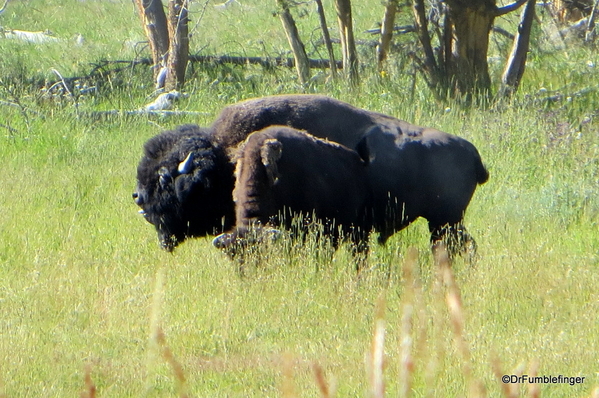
(456, 240)
(360, 248)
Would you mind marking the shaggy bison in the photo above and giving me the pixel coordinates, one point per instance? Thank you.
(413, 171)
(184, 185)
(282, 172)
(428, 174)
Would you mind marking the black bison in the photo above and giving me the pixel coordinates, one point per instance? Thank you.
(184, 185)
(413, 171)
(428, 173)
(282, 173)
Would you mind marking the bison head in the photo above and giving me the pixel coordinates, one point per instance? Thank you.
(184, 185)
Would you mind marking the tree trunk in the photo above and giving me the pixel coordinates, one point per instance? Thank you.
(154, 23)
(386, 31)
(302, 64)
(517, 61)
(590, 33)
(472, 22)
(178, 54)
(348, 45)
(460, 66)
(327, 38)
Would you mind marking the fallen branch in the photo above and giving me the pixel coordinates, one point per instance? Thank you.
(396, 29)
(267, 62)
(104, 68)
(561, 96)
(262, 61)
(11, 130)
(29, 37)
(142, 112)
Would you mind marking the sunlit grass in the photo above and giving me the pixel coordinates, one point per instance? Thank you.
(85, 288)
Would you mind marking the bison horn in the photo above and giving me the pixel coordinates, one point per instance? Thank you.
(185, 166)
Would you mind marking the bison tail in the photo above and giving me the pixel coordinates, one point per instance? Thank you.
(482, 174)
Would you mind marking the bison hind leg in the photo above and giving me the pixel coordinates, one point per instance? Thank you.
(456, 240)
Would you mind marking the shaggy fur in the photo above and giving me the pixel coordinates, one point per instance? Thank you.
(428, 173)
(321, 116)
(282, 172)
(179, 201)
(413, 171)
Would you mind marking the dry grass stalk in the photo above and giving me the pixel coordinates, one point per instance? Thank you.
(453, 301)
(406, 369)
(90, 388)
(155, 316)
(509, 390)
(157, 298)
(288, 386)
(375, 358)
(169, 357)
(437, 348)
(534, 390)
(323, 387)
(505, 387)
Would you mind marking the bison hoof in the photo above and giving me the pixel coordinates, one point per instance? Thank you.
(233, 240)
(223, 241)
(272, 234)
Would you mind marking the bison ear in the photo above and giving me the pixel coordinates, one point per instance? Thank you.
(270, 153)
(363, 150)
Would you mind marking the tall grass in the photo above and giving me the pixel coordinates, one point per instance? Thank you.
(90, 305)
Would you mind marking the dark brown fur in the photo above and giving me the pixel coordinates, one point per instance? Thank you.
(282, 173)
(409, 167)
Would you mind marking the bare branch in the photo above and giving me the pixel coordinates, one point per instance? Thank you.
(514, 69)
(502, 32)
(11, 130)
(297, 46)
(509, 8)
(64, 84)
(4, 7)
(326, 37)
(422, 31)
(348, 44)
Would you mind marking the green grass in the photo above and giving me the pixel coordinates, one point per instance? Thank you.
(84, 284)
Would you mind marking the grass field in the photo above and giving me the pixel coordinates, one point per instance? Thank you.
(86, 293)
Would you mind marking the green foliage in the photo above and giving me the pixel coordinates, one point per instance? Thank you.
(84, 283)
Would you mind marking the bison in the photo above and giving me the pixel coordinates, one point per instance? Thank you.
(429, 174)
(412, 171)
(184, 185)
(282, 173)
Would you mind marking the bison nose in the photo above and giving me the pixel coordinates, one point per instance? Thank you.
(137, 198)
